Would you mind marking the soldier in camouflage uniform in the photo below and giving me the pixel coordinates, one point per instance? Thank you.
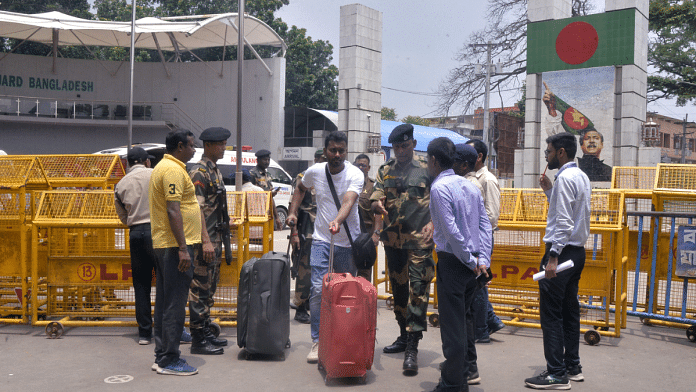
(211, 195)
(263, 180)
(402, 195)
(301, 238)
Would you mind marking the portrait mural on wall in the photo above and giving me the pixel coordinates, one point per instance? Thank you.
(582, 102)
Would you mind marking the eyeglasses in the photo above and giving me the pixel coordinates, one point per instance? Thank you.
(361, 165)
(546, 153)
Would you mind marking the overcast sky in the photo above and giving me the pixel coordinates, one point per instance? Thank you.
(419, 41)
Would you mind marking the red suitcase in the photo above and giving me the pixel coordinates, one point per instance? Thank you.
(348, 325)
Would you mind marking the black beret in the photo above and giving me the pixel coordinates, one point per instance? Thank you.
(138, 154)
(246, 176)
(401, 133)
(318, 153)
(466, 153)
(262, 153)
(215, 134)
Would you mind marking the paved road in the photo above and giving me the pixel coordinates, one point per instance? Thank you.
(645, 358)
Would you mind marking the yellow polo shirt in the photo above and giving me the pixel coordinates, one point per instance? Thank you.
(171, 182)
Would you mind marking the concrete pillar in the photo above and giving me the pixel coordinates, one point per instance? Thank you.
(360, 78)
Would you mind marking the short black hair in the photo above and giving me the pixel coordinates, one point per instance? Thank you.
(582, 137)
(363, 156)
(336, 137)
(480, 147)
(442, 149)
(565, 141)
(175, 137)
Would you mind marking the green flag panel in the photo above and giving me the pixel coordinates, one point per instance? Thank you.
(582, 42)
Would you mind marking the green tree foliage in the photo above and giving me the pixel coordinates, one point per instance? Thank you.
(388, 114)
(415, 120)
(671, 50)
(310, 80)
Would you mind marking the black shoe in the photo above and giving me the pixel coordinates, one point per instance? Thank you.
(473, 378)
(398, 346)
(200, 345)
(411, 363)
(215, 341)
(411, 357)
(575, 373)
(495, 327)
(301, 315)
(483, 339)
(548, 381)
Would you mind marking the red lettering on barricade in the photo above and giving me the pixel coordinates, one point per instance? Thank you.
(106, 275)
(126, 272)
(86, 271)
(509, 269)
(529, 273)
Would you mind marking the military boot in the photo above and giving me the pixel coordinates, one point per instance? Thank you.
(215, 341)
(200, 345)
(411, 356)
(399, 344)
(301, 314)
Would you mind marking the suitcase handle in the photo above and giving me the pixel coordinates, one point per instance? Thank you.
(331, 258)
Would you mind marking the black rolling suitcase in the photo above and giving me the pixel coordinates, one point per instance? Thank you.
(263, 305)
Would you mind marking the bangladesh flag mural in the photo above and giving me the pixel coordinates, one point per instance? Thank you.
(581, 42)
(581, 102)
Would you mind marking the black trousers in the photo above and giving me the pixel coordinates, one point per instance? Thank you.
(559, 311)
(143, 262)
(456, 285)
(170, 304)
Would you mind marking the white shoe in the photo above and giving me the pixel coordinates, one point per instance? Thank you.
(155, 367)
(313, 356)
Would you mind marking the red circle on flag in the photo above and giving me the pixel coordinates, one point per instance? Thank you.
(577, 43)
(575, 119)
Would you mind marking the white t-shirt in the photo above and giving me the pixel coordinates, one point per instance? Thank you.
(349, 179)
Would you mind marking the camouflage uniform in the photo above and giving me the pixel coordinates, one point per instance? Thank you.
(307, 213)
(263, 180)
(409, 256)
(210, 192)
(367, 217)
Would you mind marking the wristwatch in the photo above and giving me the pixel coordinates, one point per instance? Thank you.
(553, 254)
(378, 232)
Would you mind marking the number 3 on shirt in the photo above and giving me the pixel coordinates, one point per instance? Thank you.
(172, 189)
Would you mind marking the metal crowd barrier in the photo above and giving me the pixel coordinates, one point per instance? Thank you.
(519, 247)
(22, 177)
(660, 294)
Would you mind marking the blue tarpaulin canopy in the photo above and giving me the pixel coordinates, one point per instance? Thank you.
(421, 133)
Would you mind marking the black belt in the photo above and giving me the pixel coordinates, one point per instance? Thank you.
(139, 225)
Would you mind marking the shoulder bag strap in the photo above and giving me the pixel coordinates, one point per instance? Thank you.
(338, 203)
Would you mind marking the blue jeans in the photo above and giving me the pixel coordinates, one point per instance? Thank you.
(319, 262)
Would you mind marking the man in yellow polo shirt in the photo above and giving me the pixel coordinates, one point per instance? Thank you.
(176, 222)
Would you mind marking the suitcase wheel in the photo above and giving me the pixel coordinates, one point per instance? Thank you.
(390, 303)
(215, 329)
(288, 344)
(363, 380)
(327, 381)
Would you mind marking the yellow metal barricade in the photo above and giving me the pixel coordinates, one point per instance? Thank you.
(260, 220)
(21, 178)
(519, 247)
(88, 265)
(224, 312)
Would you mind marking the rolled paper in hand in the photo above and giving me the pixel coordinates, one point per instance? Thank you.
(561, 267)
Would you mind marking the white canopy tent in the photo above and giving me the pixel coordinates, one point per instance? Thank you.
(176, 35)
(151, 33)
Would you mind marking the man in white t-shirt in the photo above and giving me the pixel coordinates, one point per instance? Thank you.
(348, 181)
